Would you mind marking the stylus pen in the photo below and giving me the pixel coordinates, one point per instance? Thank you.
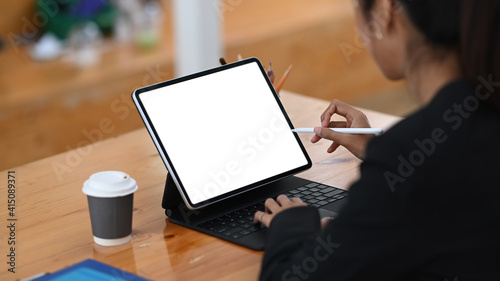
(365, 131)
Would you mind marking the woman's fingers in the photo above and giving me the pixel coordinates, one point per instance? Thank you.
(326, 133)
(283, 200)
(351, 114)
(286, 202)
(337, 124)
(340, 108)
(355, 143)
(298, 201)
(332, 124)
(263, 218)
(274, 207)
(325, 221)
(271, 205)
(333, 147)
(315, 138)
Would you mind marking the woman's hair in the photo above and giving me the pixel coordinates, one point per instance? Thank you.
(469, 26)
(437, 20)
(480, 39)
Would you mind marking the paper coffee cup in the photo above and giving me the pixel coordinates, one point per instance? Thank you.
(110, 197)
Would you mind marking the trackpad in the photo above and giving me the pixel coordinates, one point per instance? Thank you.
(324, 213)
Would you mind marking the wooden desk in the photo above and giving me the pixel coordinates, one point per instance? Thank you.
(53, 225)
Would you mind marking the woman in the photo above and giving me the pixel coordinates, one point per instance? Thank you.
(426, 206)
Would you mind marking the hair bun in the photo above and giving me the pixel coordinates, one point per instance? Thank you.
(438, 21)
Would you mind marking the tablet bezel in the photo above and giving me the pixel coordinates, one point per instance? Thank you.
(171, 166)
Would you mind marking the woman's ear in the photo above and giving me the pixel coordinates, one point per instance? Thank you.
(388, 31)
(381, 18)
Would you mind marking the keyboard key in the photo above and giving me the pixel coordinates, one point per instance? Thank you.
(232, 231)
(335, 192)
(240, 223)
(327, 189)
(254, 228)
(245, 232)
(322, 203)
(221, 229)
(205, 225)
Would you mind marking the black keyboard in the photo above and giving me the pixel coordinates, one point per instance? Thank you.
(240, 222)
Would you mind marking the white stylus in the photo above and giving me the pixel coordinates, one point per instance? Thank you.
(365, 131)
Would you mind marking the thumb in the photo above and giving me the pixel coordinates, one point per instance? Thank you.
(326, 133)
(325, 221)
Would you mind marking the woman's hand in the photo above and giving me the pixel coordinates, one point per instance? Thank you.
(274, 207)
(355, 143)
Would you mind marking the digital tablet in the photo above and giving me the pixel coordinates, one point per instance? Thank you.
(90, 270)
(221, 132)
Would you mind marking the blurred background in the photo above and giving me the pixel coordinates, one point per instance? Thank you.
(68, 67)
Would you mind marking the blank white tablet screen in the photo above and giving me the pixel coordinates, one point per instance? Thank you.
(223, 131)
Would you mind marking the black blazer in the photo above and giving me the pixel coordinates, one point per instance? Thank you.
(426, 206)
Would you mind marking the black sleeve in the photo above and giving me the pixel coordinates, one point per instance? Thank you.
(424, 208)
(290, 233)
(365, 242)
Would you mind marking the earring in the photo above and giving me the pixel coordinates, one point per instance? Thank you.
(379, 35)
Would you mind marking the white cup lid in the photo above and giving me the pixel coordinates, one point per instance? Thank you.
(109, 184)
